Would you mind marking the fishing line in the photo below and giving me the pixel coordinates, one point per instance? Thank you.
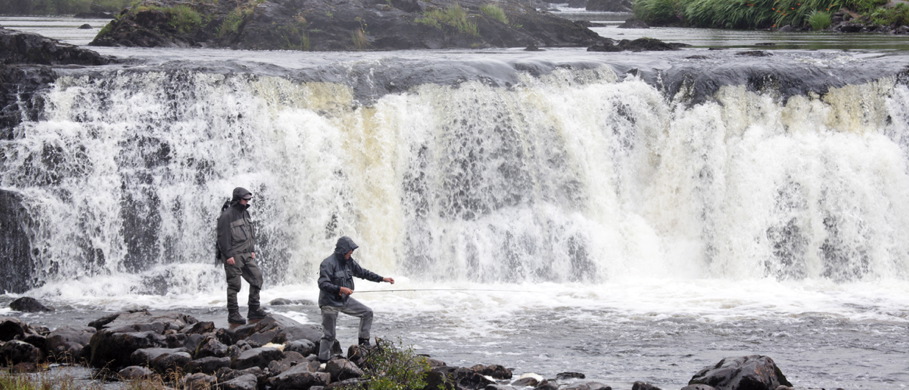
(439, 289)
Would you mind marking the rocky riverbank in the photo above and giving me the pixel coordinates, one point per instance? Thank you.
(278, 353)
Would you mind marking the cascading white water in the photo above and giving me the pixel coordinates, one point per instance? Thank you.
(576, 175)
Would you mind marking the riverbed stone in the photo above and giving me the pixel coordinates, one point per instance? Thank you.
(643, 386)
(494, 371)
(133, 373)
(199, 381)
(18, 351)
(113, 350)
(243, 382)
(210, 346)
(257, 357)
(12, 328)
(303, 347)
(698, 387)
(208, 365)
(29, 305)
(66, 343)
(341, 369)
(755, 372)
(297, 377)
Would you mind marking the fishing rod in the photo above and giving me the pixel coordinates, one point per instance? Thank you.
(439, 289)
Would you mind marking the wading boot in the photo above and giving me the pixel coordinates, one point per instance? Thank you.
(234, 317)
(256, 313)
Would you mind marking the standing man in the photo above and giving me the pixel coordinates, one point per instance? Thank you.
(335, 287)
(237, 245)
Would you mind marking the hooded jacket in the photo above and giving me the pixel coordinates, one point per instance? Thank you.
(336, 272)
(235, 229)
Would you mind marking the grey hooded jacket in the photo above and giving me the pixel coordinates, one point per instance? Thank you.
(235, 229)
(336, 272)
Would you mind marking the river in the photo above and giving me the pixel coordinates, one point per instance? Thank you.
(632, 216)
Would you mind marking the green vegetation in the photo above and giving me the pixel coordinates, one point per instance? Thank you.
(819, 20)
(184, 18)
(896, 16)
(494, 12)
(454, 16)
(61, 7)
(389, 368)
(748, 14)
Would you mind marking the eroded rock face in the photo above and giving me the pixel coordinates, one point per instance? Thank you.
(753, 372)
(27, 48)
(348, 25)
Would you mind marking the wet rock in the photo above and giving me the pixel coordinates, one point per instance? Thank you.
(605, 45)
(144, 320)
(85, 26)
(470, 379)
(291, 359)
(341, 369)
(754, 53)
(285, 302)
(199, 381)
(547, 385)
(569, 375)
(643, 386)
(200, 328)
(698, 387)
(648, 44)
(12, 328)
(161, 359)
(210, 346)
(753, 372)
(25, 367)
(134, 373)
(17, 351)
(303, 347)
(526, 382)
(28, 305)
(27, 48)
(17, 88)
(257, 357)
(243, 382)
(297, 377)
(66, 344)
(355, 25)
(208, 365)
(112, 350)
(494, 371)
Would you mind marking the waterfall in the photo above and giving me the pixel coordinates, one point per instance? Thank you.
(578, 174)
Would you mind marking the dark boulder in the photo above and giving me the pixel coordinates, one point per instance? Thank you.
(208, 365)
(161, 360)
(570, 375)
(342, 369)
(28, 48)
(257, 357)
(494, 371)
(348, 25)
(113, 350)
(200, 328)
(526, 382)
(28, 305)
(753, 372)
(199, 381)
(17, 91)
(17, 351)
(144, 320)
(66, 344)
(466, 378)
(303, 347)
(210, 346)
(610, 5)
(243, 382)
(605, 45)
(698, 387)
(13, 328)
(648, 44)
(297, 377)
(643, 386)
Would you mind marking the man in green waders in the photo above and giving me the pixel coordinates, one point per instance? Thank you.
(336, 284)
(237, 245)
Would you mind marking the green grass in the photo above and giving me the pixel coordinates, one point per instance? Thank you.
(819, 20)
(455, 17)
(494, 12)
(749, 14)
(390, 368)
(896, 16)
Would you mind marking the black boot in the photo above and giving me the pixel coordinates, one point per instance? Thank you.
(363, 342)
(256, 313)
(234, 317)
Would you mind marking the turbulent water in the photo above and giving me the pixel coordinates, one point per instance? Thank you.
(631, 217)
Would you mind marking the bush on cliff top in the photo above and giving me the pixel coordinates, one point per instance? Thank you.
(744, 14)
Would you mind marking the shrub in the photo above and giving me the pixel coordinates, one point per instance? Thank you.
(494, 12)
(184, 19)
(819, 20)
(896, 16)
(659, 12)
(389, 368)
(454, 16)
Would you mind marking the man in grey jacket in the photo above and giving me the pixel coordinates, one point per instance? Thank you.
(336, 284)
(237, 246)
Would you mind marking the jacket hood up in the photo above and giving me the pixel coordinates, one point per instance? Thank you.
(345, 244)
(239, 193)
